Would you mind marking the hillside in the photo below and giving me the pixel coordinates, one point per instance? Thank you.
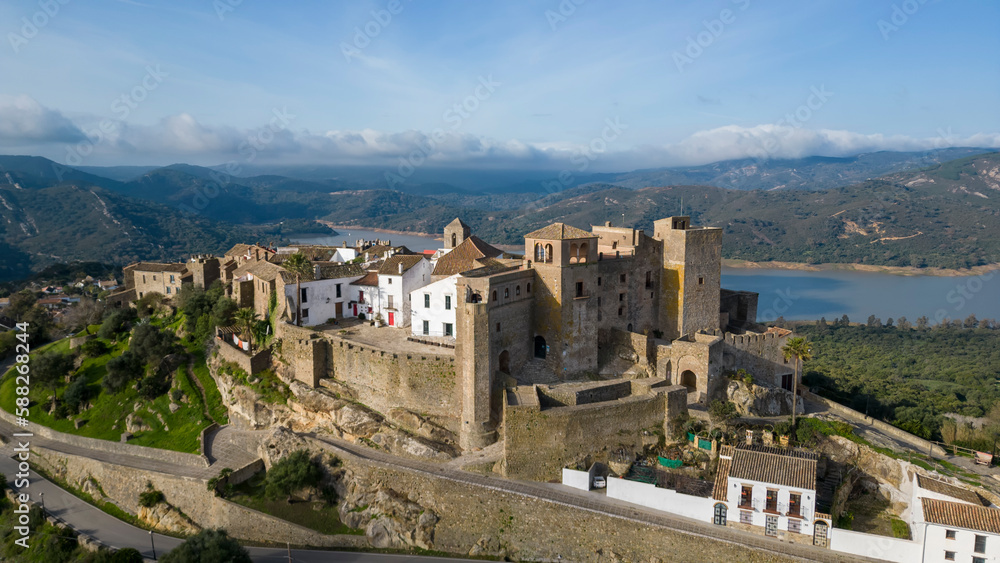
(75, 221)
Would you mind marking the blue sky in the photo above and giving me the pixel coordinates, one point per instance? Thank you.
(514, 84)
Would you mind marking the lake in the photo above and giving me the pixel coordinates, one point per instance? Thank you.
(799, 295)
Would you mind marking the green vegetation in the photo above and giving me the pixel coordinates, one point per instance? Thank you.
(295, 472)
(208, 546)
(268, 385)
(151, 497)
(909, 377)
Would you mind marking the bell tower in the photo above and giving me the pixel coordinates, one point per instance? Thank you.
(455, 233)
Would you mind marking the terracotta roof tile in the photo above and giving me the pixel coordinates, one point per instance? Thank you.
(330, 271)
(391, 266)
(721, 482)
(961, 515)
(779, 469)
(371, 278)
(158, 267)
(559, 231)
(261, 269)
(950, 490)
(463, 257)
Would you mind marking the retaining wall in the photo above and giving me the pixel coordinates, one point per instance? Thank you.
(250, 364)
(878, 547)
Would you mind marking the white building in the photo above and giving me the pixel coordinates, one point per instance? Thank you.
(768, 488)
(326, 296)
(397, 278)
(953, 523)
(344, 255)
(364, 296)
(432, 308)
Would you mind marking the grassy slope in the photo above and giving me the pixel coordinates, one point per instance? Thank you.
(106, 419)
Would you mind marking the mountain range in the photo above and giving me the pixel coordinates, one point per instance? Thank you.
(900, 209)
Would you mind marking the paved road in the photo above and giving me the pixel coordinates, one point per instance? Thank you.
(91, 521)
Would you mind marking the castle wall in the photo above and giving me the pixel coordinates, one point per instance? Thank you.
(759, 354)
(538, 442)
(700, 354)
(637, 297)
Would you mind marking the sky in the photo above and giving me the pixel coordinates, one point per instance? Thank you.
(537, 84)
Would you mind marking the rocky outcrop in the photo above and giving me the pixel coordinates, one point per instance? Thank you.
(754, 400)
(322, 411)
(166, 518)
(134, 424)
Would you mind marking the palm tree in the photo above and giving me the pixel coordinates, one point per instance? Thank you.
(800, 349)
(299, 265)
(246, 318)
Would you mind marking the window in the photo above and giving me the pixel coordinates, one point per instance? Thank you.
(154, 278)
(168, 290)
(772, 500)
(305, 297)
(621, 278)
(305, 313)
(427, 301)
(171, 278)
(949, 534)
(579, 289)
(144, 278)
(427, 327)
(529, 287)
(447, 302)
(621, 297)
(598, 300)
(980, 544)
(517, 290)
(498, 327)
(506, 292)
(361, 297)
(447, 329)
(746, 495)
(746, 517)
(795, 504)
(649, 280)
(389, 305)
(390, 281)
(494, 295)
(701, 281)
(338, 291)
(598, 281)
(978, 560)
(949, 556)
(794, 526)
(620, 311)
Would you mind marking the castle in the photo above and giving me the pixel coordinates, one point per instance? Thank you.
(587, 337)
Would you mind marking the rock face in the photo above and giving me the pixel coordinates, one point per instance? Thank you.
(754, 400)
(319, 410)
(135, 424)
(390, 518)
(168, 519)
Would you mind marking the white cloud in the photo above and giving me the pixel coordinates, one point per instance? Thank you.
(23, 121)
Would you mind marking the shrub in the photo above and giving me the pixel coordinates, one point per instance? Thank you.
(121, 371)
(176, 395)
(153, 385)
(361, 316)
(291, 474)
(94, 348)
(900, 529)
(150, 344)
(77, 394)
(208, 546)
(115, 323)
(151, 497)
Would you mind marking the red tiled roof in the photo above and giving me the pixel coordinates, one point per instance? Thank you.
(559, 231)
(721, 480)
(767, 467)
(950, 490)
(463, 257)
(391, 266)
(961, 515)
(371, 278)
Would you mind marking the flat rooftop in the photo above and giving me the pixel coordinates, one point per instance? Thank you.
(386, 338)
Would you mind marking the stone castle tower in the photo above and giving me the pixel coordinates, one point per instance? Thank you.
(455, 232)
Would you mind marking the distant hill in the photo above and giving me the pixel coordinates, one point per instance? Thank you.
(79, 220)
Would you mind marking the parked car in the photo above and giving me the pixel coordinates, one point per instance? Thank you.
(600, 482)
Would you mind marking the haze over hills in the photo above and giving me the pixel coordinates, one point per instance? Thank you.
(944, 215)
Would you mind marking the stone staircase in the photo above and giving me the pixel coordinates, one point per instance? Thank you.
(826, 486)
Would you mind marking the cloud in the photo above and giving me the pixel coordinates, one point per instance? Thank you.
(23, 121)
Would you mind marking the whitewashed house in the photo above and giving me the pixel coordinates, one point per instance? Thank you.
(398, 276)
(953, 523)
(363, 296)
(768, 490)
(326, 296)
(344, 254)
(432, 308)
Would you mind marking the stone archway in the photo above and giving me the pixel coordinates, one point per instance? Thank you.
(540, 347)
(689, 380)
(505, 362)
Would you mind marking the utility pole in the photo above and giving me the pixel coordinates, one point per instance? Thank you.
(289, 546)
(152, 545)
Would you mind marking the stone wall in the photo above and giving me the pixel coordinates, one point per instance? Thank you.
(539, 442)
(250, 364)
(122, 486)
(758, 353)
(166, 456)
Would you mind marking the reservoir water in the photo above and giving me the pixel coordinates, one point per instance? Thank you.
(811, 295)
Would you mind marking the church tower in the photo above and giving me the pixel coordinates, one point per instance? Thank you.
(455, 233)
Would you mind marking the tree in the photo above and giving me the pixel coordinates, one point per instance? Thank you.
(94, 348)
(801, 349)
(845, 321)
(291, 474)
(246, 320)
(299, 265)
(49, 369)
(208, 546)
(77, 393)
(904, 324)
(150, 344)
(923, 323)
(971, 322)
(722, 411)
(85, 313)
(116, 323)
(121, 371)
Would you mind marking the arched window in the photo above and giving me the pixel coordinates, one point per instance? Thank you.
(506, 292)
(494, 295)
(574, 251)
(582, 253)
(454, 240)
(529, 287)
(539, 252)
(548, 252)
(517, 290)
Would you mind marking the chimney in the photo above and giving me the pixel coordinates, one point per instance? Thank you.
(400, 267)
